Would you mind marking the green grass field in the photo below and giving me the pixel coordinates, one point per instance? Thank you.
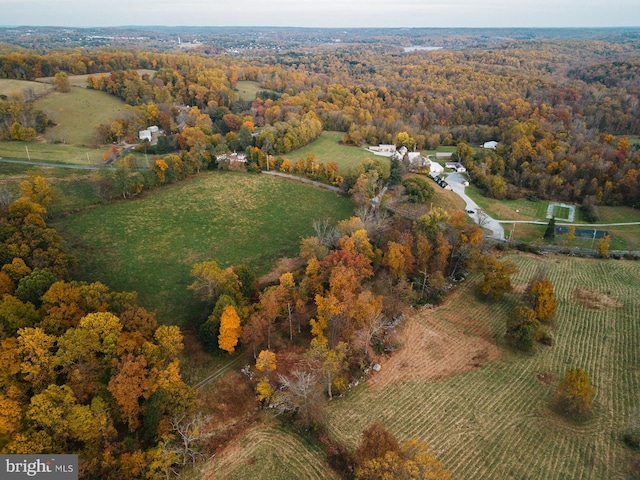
(521, 209)
(247, 90)
(77, 112)
(497, 421)
(150, 244)
(328, 149)
(561, 213)
(52, 153)
(27, 89)
(271, 452)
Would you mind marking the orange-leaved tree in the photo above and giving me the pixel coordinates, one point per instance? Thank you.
(229, 329)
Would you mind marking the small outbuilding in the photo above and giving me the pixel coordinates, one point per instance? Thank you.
(457, 166)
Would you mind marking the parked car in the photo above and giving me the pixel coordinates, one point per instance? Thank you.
(471, 212)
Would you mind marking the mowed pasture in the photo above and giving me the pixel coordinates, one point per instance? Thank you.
(270, 452)
(327, 148)
(77, 112)
(29, 90)
(51, 153)
(495, 418)
(150, 244)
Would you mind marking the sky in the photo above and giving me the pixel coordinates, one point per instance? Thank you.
(322, 13)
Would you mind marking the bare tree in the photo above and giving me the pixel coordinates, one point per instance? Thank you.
(327, 234)
(483, 218)
(300, 394)
(191, 432)
(373, 219)
(6, 197)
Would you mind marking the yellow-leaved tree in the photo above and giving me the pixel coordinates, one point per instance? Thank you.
(574, 394)
(545, 303)
(266, 361)
(229, 329)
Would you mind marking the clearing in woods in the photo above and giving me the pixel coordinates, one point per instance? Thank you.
(77, 112)
(486, 411)
(327, 148)
(151, 243)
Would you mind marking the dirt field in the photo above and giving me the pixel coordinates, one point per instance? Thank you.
(430, 351)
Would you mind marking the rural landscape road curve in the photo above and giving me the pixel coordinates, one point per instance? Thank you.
(456, 181)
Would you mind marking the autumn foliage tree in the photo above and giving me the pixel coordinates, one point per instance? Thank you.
(544, 300)
(496, 276)
(523, 328)
(229, 329)
(376, 442)
(574, 395)
(379, 456)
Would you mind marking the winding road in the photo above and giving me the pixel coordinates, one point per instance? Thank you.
(456, 181)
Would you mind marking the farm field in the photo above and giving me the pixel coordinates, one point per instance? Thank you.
(26, 88)
(53, 153)
(150, 244)
(77, 112)
(328, 149)
(254, 457)
(496, 420)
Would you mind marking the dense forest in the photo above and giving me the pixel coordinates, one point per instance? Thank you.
(561, 110)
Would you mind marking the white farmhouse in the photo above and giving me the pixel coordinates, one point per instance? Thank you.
(144, 135)
(492, 145)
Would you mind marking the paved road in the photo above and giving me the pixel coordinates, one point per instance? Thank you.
(456, 181)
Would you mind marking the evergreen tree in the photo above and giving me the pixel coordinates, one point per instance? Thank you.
(550, 232)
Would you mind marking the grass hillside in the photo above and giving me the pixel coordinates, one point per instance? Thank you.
(271, 453)
(27, 89)
(52, 153)
(77, 112)
(328, 149)
(497, 421)
(150, 244)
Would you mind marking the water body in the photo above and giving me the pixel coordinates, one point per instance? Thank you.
(418, 48)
